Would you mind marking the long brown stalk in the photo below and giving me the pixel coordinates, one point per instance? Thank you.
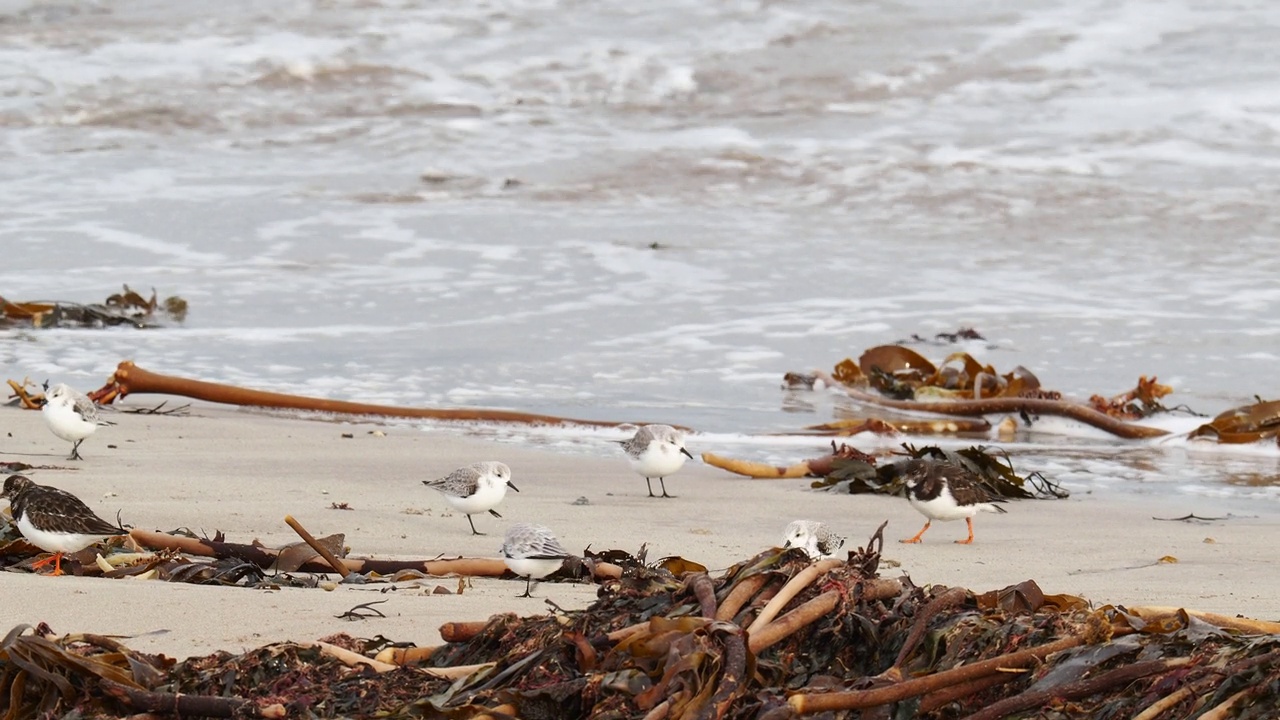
(1077, 690)
(793, 621)
(794, 587)
(1033, 406)
(323, 551)
(807, 703)
(742, 592)
(266, 557)
(131, 379)
(815, 609)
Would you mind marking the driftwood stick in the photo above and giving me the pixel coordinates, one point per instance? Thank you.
(130, 379)
(948, 695)
(729, 686)
(794, 587)
(810, 612)
(1079, 689)
(462, 631)
(1157, 708)
(406, 655)
(334, 562)
(705, 591)
(853, 426)
(456, 671)
(1246, 625)
(185, 705)
(349, 658)
(1222, 710)
(757, 470)
(794, 621)
(266, 557)
(807, 703)
(741, 593)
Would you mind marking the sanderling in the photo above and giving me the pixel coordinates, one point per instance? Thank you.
(71, 416)
(532, 552)
(945, 491)
(54, 520)
(656, 451)
(475, 488)
(814, 537)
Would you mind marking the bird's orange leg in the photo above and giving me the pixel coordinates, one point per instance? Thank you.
(969, 522)
(916, 539)
(55, 558)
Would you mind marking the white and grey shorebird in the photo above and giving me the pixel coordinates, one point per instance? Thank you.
(532, 552)
(475, 488)
(54, 520)
(71, 416)
(945, 491)
(656, 451)
(814, 537)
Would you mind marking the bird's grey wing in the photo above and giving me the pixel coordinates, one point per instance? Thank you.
(462, 482)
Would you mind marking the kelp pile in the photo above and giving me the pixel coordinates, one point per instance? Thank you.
(127, 307)
(775, 636)
(895, 377)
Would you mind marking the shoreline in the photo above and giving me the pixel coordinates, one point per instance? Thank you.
(241, 471)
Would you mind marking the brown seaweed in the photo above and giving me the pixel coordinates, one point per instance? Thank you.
(648, 647)
(124, 308)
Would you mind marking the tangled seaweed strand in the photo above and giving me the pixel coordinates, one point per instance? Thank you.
(775, 636)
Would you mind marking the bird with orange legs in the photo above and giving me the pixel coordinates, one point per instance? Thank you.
(945, 491)
(54, 520)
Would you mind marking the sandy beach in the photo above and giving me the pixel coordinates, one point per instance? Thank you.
(241, 472)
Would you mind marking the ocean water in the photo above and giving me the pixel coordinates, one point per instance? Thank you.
(651, 212)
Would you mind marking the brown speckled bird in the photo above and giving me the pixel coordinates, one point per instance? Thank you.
(54, 520)
(945, 491)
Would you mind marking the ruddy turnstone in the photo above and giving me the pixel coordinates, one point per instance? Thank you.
(656, 451)
(944, 491)
(71, 416)
(532, 552)
(814, 537)
(54, 520)
(475, 488)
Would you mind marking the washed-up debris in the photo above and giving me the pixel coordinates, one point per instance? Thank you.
(775, 636)
(1245, 424)
(182, 556)
(127, 307)
(851, 470)
(895, 377)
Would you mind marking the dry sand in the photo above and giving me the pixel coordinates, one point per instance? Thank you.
(241, 472)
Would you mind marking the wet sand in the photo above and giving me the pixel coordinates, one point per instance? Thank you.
(241, 472)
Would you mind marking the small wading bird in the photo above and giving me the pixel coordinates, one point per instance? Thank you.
(814, 537)
(475, 489)
(71, 416)
(945, 491)
(532, 552)
(54, 520)
(656, 451)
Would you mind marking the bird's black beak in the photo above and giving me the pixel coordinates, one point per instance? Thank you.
(513, 487)
(687, 454)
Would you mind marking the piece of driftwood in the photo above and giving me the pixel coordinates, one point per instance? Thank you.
(337, 565)
(810, 703)
(266, 557)
(130, 379)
